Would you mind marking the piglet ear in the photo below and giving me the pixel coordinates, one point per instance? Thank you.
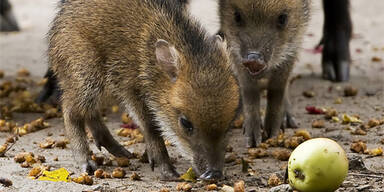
(167, 58)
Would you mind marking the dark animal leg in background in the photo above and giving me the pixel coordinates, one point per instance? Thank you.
(336, 37)
(50, 90)
(7, 19)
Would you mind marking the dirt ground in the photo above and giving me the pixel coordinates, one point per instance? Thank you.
(26, 49)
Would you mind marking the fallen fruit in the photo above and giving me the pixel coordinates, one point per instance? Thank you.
(373, 123)
(318, 124)
(304, 133)
(227, 188)
(281, 154)
(189, 175)
(118, 173)
(3, 149)
(47, 143)
(317, 165)
(183, 187)
(358, 147)
(26, 157)
(338, 101)
(125, 118)
(211, 187)
(34, 172)
(330, 113)
(376, 152)
(293, 142)
(83, 179)
(255, 153)
(99, 173)
(135, 177)
(359, 131)
(11, 139)
(107, 175)
(309, 94)
(376, 59)
(23, 72)
(350, 119)
(313, 110)
(335, 119)
(350, 91)
(274, 181)
(239, 186)
(122, 161)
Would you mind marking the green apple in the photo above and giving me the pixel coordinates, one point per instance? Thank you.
(317, 165)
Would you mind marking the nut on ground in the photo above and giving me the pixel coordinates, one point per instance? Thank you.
(211, 187)
(239, 186)
(318, 124)
(274, 181)
(118, 173)
(183, 187)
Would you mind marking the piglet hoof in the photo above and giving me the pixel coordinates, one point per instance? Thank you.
(251, 142)
(342, 71)
(329, 72)
(289, 121)
(252, 135)
(336, 55)
(125, 153)
(211, 175)
(89, 167)
(169, 173)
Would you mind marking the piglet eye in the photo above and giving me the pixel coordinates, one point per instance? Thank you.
(237, 17)
(221, 34)
(282, 21)
(187, 125)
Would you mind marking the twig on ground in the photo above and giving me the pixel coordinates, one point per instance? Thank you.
(366, 175)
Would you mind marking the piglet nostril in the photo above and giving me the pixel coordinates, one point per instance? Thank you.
(211, 175)
(255, 56)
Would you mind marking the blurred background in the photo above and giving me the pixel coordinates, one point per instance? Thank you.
(26, 50)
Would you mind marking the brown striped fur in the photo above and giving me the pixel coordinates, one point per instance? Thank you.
(253, 26)
(159, 64)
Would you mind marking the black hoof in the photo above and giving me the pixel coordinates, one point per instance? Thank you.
(342, 71)
(89, 167)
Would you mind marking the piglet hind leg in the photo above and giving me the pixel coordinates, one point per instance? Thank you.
(336, 38)
(75, 130)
